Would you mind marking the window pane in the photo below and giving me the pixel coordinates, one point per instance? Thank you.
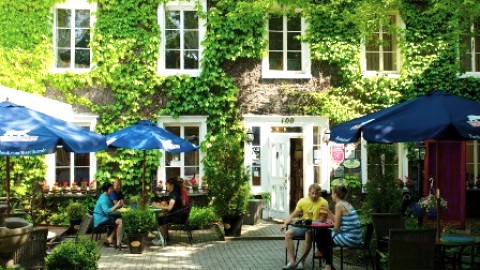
(387, 42)
(62, 158)
(81, 159)
(293, 41)
(388, 61)
(294, 62)
(82, 58)
(294, 23)
(373, 61)
(63, 38)
(63, 18)
(81, 174)
(82, 38)
(172, 59)
(63, 59)
(62, 175)
(190, 20)
(275, 41)
(276, 60)
(191, 40)
(82, 18)
(172, 39)
(172, 19)
(191, 59)
(372, 43)
(275, 23)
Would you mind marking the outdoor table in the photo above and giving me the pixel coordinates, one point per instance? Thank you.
(459, 241)
(316, 228)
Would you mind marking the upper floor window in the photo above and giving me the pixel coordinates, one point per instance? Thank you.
(380, 51)
(288, 56)
(470, 57)
(182, 32)
(72, 32)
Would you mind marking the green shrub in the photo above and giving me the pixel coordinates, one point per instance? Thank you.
(75, 211)
(202, 216)
(137, 221)
(80, 255)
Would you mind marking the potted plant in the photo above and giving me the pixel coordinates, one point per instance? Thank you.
(229, 187)
(202, 217)
(75, 255)
(204, 184)
(136, 224)
(75, 212)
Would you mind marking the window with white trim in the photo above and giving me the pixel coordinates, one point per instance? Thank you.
(470, 44)
(75, 168)
(288, 56)
(380, 52)
(182, 32)
(73, 22)
(184, 165)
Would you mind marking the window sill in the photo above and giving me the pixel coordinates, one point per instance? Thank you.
(370, 74)
(285, 75)
(173, 72)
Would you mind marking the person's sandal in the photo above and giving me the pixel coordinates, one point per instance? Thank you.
(108, 244)
(289, 266)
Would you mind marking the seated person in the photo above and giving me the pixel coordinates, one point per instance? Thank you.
(346, 226)
(116, 194)
(102, 215)
(313, 207)
(174, 207)
(184, 195)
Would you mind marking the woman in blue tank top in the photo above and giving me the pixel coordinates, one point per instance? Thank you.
(346, 226)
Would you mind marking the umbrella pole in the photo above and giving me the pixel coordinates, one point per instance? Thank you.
(143, 176)
(7, 170)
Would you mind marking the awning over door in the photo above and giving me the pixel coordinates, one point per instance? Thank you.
(45, 105)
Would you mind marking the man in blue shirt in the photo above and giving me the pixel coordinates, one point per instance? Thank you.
(116, 194)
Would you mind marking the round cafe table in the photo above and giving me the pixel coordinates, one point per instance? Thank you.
(316, 228)
(459, 242)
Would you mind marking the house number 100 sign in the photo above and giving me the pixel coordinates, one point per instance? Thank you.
(288, 120)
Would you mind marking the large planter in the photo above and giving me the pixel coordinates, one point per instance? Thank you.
(233, 225)
(137, 242)
(254, 212)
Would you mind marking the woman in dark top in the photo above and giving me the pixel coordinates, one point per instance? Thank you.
(174, 207)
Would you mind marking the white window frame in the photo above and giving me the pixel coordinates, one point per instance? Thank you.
(72, 5)
(304, 73)
(182, 121)
(390, 73)
(474, 55)
(84, 121)
(181, 6)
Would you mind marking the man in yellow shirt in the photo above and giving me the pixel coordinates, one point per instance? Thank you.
(311, 207)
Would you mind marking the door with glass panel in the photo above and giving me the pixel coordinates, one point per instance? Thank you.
(279, 175)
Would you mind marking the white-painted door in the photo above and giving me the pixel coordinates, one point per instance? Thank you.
(279, 175)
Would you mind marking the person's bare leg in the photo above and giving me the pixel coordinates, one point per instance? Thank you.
(164, 231)
(111, 237)
(289, 246)
(307, 245)
(119, 231)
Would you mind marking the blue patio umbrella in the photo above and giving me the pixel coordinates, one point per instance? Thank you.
(26, 132)
(437, 115)
(145, 135)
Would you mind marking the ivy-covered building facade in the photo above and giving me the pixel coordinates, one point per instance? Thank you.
(272, 74)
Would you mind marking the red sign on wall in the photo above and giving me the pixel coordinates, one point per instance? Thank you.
(337, 152)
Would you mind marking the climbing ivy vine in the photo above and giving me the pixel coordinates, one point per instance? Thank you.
(124, 85)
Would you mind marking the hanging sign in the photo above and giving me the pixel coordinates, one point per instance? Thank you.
(337, 152)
